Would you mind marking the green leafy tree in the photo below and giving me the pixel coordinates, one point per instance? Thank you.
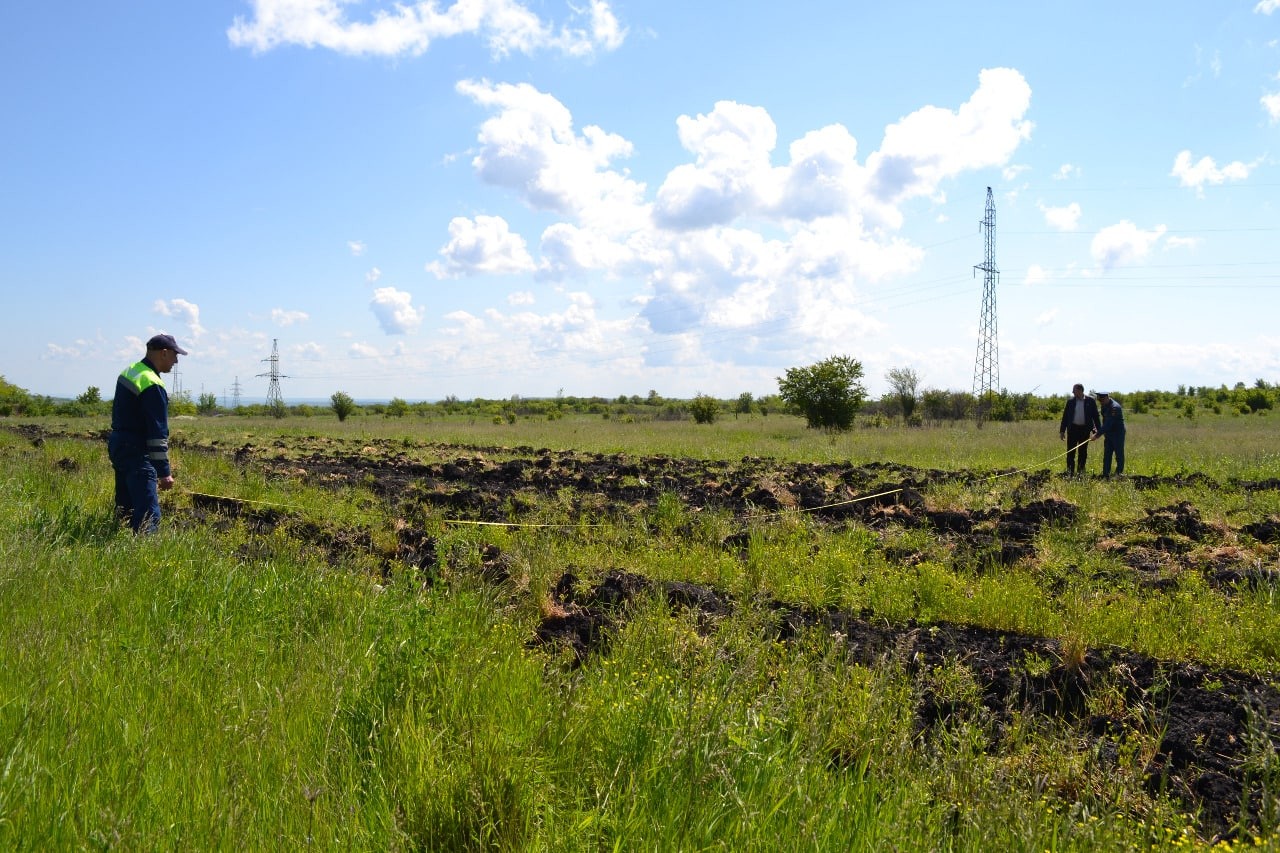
(705, 409)
(397, 408)
(180, 403)
(1257, 399)
(936, 404)
(208, 403)
(342, 404)
(904, 383)
(13, 400)
(827, 394)
(91, 397)
(744, 404)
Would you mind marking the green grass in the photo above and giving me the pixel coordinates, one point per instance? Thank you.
(204, 689)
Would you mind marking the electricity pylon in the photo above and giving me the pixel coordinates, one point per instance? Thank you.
(986, 366)
(275, 400)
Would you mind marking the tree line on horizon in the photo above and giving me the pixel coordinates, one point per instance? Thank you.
(828, 394)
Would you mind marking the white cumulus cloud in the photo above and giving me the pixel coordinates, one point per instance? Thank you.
(1271, 103)
(481, 245)
(756, 257)
(184, 311)
(1123, 243)
(410, 28)
(394, 310)
(1063, 218)
(730, 174)
(530, 147)
(935, 143)
(281, 317)
(1206, 171)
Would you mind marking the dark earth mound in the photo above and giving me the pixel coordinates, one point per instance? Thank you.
(1213, 724)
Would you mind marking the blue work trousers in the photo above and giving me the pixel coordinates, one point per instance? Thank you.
(137, 487)
(1113, 445)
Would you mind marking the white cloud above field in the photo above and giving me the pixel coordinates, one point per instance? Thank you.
(1123, 243)
(1065, 218)
(1271, 103)
(484, 244)
(183, 311)
(410, 28)
(395, 311)
(731, 241)
(1206, 171)
(1036, 274)
(282, 317)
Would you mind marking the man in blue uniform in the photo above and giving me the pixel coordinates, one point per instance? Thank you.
(139, 443)
(1112, 434)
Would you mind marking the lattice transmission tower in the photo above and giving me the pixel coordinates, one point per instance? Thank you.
(275, 400)
(986, 366)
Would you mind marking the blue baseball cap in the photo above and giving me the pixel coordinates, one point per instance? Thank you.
(165, 342)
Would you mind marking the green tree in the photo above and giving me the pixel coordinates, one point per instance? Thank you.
(207, 404)
(13, 400)
(704, 409)
(397, 408)
(180, 403)
(342, 404)
(1257, 400)
(936, 404)
(744, 404)
(904, 382)
(827, 394)
(91, 397)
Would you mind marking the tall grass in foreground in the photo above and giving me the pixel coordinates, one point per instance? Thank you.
(195, 691)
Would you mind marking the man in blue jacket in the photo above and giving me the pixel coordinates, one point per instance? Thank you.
(139, 443)
(1112, 434)
(1079, 424)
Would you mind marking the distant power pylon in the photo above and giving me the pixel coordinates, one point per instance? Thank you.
(275, 400)
(986, 367)
(235, 394)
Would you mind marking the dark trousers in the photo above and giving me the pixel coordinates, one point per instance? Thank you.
(1113, 445)
(137, 488)
(1077, 457)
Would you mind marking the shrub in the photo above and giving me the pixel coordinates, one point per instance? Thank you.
(342, 404)
(827, 394)
(704, 409)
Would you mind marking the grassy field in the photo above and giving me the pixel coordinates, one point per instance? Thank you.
(212, 688)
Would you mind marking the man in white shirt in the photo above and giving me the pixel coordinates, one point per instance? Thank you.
(1080, 423)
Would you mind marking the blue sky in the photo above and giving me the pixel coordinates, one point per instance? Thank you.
(488, 198)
